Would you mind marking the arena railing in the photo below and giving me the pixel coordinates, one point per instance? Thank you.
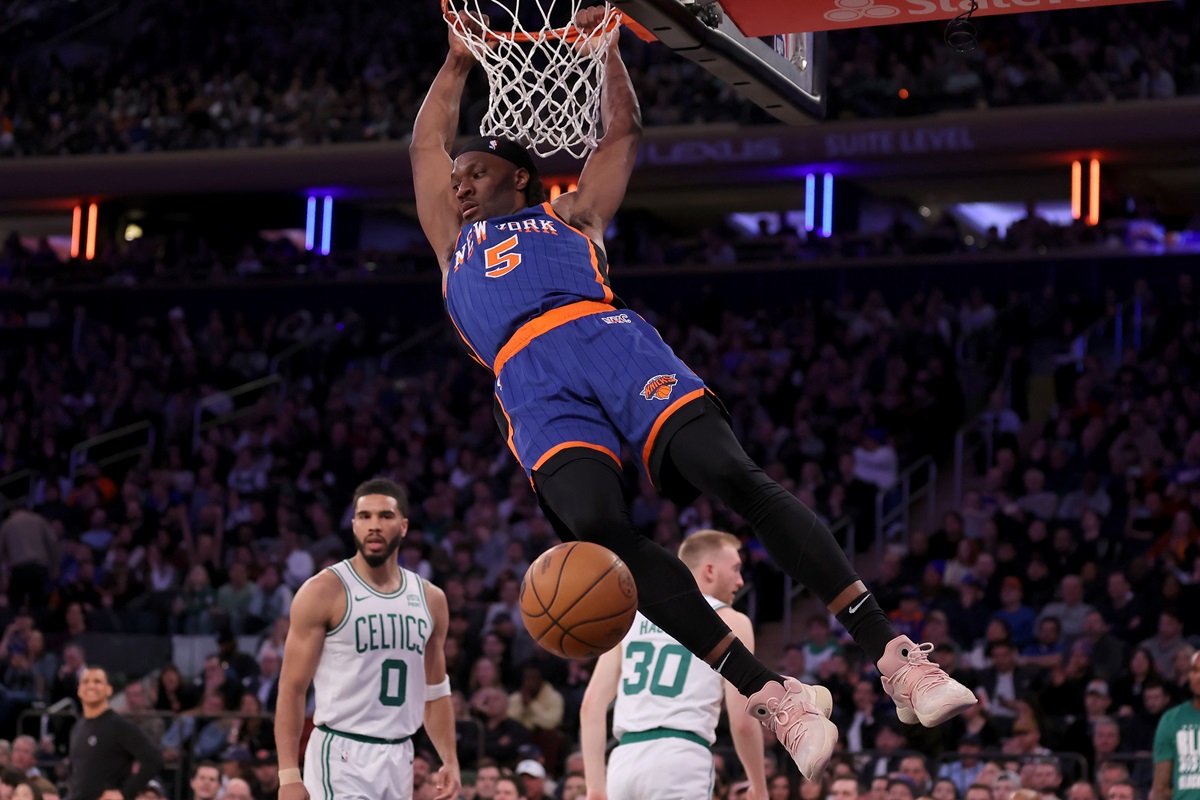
(977, 435)
(422, 336)
(113, 447)
(894, 505)
(325, 335)
(230, 405)
(1108, 336)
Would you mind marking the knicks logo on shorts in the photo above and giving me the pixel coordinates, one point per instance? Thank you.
(659, 387)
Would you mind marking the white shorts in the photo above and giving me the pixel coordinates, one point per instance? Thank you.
(669, 768)
(337, 766)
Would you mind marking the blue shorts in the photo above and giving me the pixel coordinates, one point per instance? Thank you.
(592, 382)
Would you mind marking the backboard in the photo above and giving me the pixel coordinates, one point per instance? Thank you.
(784, 75)
(767, 17)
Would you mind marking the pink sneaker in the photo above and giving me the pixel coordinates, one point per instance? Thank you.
(921, 689)
(798, 715)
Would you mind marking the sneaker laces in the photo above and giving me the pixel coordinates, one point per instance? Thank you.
(931, 674)
(780, 712)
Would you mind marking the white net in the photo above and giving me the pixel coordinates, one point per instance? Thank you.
(543, 81)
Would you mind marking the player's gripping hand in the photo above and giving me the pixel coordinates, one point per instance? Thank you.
(472, 24)
(590, 22)
(294, 791)
(446, 782)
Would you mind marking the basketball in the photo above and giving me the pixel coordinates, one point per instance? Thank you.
(578, 600)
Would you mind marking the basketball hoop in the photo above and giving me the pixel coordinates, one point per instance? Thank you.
(544, 74)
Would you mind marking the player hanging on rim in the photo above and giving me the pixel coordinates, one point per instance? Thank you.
(667, 705)
(369, 636)
(525, 282)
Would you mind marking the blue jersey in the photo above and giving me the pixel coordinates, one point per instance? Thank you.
(507, 271)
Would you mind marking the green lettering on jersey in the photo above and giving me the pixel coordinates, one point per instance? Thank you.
(390, 632)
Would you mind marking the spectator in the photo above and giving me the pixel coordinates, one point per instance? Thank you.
(29, 552)
(104, 746)
(1047, 650)
(876, 461)
(1166, 642)
(24, 756)
(1037, 500)
(237, 789)
(172, 694)
(1107, 651)
(536, 705)
(236, 599)
(265, 768)
(1005, 681)
(533, 776)
(206, 781)
(140, 713)
(1071, 610)
(503, 736)
(1017, 617)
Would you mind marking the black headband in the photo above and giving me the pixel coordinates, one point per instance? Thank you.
(507, 149)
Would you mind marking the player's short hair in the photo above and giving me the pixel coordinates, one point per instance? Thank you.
(101, 670)
(385, 487)
(703, 544)
(535, 190)
(205, 765)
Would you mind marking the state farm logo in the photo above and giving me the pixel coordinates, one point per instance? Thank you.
(854, 10)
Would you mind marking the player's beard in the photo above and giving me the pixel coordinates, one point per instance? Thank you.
(379, 560)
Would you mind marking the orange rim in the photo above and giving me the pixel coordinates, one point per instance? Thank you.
(569, 33)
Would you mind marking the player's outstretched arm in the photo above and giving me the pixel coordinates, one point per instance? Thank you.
(432, 139)
(745, 729)
(439, 708)
(593, 721)
(319, 599)
(607, 170)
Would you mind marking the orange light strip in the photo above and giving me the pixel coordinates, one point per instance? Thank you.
(555, 192)
(93, 215)
(1094, 195)
(76, 222)
(1076, 190)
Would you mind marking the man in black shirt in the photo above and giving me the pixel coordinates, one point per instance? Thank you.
(105, 745)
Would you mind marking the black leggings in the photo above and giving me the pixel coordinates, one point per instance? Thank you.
(584, 496)
(707, 455)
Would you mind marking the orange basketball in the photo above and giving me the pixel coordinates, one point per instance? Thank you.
(578, 600)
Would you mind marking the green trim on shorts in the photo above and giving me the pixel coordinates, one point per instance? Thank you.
(358, 737)
(327, 778)
(633, 737)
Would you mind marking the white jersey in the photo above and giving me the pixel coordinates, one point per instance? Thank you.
(370, 680)
(665, 686)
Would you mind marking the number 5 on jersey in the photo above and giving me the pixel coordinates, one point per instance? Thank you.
(501, 259)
